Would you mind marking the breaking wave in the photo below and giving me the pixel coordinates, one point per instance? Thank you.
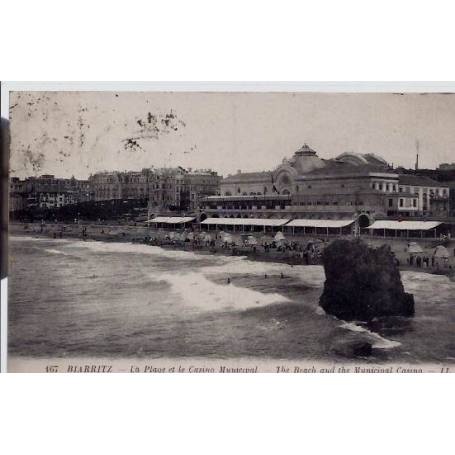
(196, 291)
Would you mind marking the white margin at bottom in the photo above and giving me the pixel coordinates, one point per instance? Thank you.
(4, 325)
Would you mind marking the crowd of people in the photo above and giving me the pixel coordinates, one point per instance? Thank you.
(305, 252)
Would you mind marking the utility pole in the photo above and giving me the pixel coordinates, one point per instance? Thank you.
(417, 155)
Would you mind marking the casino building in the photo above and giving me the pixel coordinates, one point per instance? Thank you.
(359, 188)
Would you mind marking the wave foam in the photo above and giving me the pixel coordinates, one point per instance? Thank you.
(378, 341)
(119, 247)
(52, 251)
(199, 292)
(310, 275)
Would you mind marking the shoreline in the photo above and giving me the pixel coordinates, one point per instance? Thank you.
(137, 234)
(283, 257)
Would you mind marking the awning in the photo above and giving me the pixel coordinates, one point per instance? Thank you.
(405, 225)
(320, 223)
(245, 221)
(171, 219)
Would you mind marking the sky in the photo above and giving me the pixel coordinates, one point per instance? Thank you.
(80, 133)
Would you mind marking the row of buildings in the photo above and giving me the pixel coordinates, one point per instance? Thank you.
(169, 189)
(46, 191)
(363, 187)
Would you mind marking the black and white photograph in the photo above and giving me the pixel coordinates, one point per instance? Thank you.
(231, 232)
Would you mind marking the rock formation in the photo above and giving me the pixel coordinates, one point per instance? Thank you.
(363, 283)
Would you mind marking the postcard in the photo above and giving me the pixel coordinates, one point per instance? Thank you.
(217, 231)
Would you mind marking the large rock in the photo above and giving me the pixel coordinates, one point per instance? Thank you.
(363, 283)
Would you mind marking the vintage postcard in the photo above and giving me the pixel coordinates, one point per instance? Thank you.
(231, 231)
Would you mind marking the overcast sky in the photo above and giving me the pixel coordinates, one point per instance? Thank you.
(79, 133)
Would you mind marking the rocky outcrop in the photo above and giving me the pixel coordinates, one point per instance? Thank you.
(363, 283)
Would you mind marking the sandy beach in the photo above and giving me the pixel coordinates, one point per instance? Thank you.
(300, 250)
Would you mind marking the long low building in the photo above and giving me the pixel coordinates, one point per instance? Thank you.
(245, 224)
(309, 226)
(173, 221)
(391, 228)
(305, 226)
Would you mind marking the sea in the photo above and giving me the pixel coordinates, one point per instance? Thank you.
(70, 298)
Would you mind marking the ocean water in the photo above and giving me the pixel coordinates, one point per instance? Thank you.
(69, 298)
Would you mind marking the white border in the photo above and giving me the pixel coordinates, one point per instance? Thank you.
(235, 86)
(231, 86)
(4, 325)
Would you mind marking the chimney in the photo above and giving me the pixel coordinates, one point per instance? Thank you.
(417, 162)
(239, 171)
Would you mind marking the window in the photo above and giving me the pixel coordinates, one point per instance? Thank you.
(414, 202)
(380, 186)
(390, 202)
(387, 187)
(401, 202)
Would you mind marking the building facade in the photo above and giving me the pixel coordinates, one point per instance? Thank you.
(46, 192)
(351, 186)
(165, 189)
(173, 189)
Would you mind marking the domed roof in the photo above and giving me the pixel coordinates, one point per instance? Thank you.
(358, 159)
(305, 160)
(305, 150)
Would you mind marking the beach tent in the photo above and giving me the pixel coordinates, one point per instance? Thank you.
(414, 248)
(227, 238)
(251, 240)
(441, 252)
(279, 237)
